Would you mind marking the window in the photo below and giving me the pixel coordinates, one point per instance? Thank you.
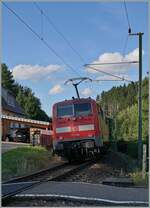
(10, 100)
(65, 111)
(16, 125)
(11, 125)
(82, 109)
(22, 125)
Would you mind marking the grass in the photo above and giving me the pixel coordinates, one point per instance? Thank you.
(24, 160)
(138, 178)
(130, 166)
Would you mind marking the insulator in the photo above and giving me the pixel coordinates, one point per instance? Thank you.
(129, 31)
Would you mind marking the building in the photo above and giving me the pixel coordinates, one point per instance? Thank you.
(10, 107)
(13, 119)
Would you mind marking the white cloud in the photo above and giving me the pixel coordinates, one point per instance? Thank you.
(35, 72)
(86, 92)
(55, 90)
(115, 57)
(134, 55)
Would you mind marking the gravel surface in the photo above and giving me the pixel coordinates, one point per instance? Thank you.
(110, 165)
(61, 203)
(94, 174)
(52, 202)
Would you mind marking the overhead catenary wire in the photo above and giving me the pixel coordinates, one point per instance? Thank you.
(127, 16)
(99, 80)
(41, 39)
(111, 63)
(123, 54)
(42, 26)
(59, 32)
(125, 47)
(48, 45)
(129, 26)
(121, 78)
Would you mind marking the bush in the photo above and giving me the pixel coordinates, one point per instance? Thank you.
(138, 179)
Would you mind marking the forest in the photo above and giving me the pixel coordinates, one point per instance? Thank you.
(30, 104)
(121, 105)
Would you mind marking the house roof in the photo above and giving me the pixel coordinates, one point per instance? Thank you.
(6, 95)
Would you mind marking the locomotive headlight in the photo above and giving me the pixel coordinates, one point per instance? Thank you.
(90, 135)
(60, 138)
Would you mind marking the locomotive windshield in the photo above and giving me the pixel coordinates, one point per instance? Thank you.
(82, 109)
(79, 109)
(65, 111)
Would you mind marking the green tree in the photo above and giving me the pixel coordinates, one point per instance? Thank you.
(24, 96)
(122, 103)
(8, 80)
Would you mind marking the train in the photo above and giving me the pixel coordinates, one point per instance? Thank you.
(80, 128)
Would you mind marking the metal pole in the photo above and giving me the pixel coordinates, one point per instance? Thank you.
(140, 103)
(139, 100)
(144, 161)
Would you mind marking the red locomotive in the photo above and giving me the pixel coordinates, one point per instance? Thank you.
(80, 128)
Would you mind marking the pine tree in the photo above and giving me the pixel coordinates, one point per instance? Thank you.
(24, 96)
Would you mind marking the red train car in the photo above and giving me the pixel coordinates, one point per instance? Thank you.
(79, 128)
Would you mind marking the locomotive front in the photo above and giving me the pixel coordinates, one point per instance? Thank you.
(76, 129)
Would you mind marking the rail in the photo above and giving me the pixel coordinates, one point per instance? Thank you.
(56, 173)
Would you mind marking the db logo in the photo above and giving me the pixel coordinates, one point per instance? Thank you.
(75, 128)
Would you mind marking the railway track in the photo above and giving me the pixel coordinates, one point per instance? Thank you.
(37, 175)
(58, 173)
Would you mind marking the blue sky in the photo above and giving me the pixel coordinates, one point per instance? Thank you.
(97, 31)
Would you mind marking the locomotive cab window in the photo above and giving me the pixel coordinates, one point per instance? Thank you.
(82, 109)
(65, 111)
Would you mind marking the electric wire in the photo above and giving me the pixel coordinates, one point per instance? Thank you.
(125, 47)
(59, 32)
(42, 40)
(127, 16)
(99, 80)
(115, 63)
(66, 40)
(42, 26)
(51, 49)
(121, 78)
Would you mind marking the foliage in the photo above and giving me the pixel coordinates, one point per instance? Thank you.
(24, 160)
(121, 161)
(118, 98)
(24, 96)
(121, 104)
(138, 178)
(7, 79)
(128, 147)
(127, 123)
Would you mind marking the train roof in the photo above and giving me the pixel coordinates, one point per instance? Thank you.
(75, 100)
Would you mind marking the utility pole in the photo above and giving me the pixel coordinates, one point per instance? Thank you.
(139, 99)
